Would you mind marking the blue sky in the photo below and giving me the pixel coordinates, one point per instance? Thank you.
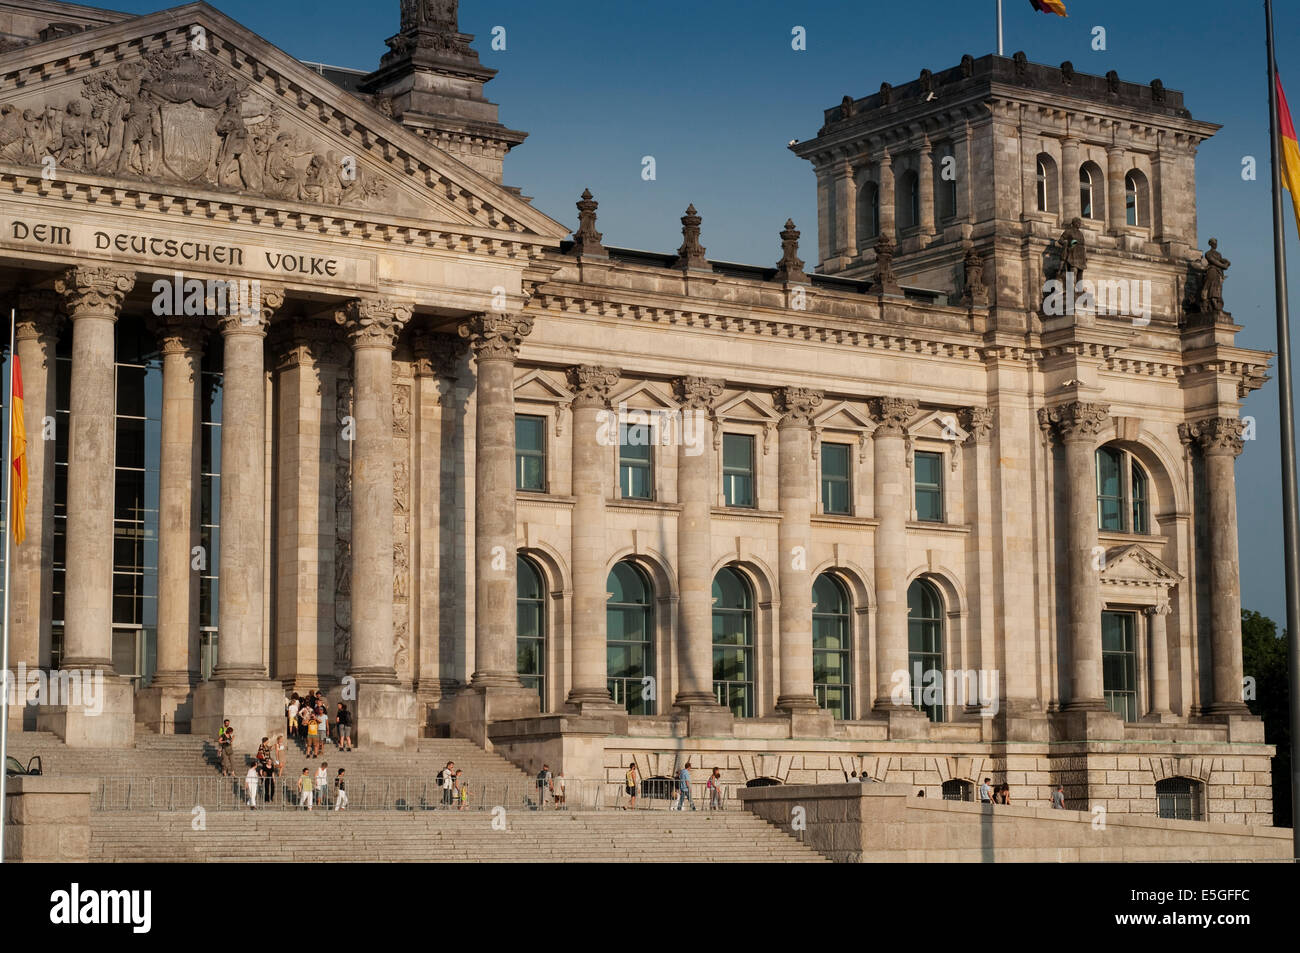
(714, 91)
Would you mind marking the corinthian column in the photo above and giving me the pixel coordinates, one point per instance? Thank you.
(36, 331)
(892, 504)
(1070, 196)
(1079, 423)
(92, 298)
(495, 338)
(1220, 442)
(240, 689)
(1158, 641)
(166, 704)
(925, 183)
(696, 491)
(796, 405)
(591, 386)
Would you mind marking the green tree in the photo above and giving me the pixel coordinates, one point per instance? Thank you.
(1264, 659)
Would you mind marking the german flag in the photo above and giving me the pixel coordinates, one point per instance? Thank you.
(1049, 6)
(1290, 149)
(18, 448)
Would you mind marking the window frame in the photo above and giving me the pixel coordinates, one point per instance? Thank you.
(1133, 502)
(721, 687)
(621, 684)
(843, 618)
(847, 480)
(939, 712)
(539, 602)
(729, 472)
(1126, 697)
(648, 464)
(541, 454)
(939, 488)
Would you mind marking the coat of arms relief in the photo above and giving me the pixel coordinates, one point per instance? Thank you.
(178, 117)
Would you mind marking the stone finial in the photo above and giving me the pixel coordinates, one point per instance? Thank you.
(975, 293)
(1157, 91)
(886, 94)
(691, 255)
(892, 415)
(846, 107)
(1022, 64)
(1077, 419)
(790, 268)
(373, 322)
(796, 405)
(496, 335)
(967, 65)
(1067, 73)
(1112, 83)
(927, 81)
(94, 290)
(886, 282)
(586, 240)
(696, 393)
(977, 422)
(1219, 435)
(591, 384)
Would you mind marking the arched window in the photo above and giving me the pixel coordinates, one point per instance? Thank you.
(629, 633)
(909, 199)
(530, 631)
(832, 647)
(1090, 192)
(868, 212)
(945, 185)
(1123, 492)
(733, 643)
(1046, 183)
(1135, 199)
(925, 647)
(958, 790)
(1178, 799)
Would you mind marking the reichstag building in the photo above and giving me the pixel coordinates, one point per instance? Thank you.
(314, 399)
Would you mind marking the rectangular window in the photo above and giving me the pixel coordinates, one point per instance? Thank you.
(929, 486)
(1110, 498)
(738, 469)
(635, 462)
(837, 496)
(1119, 663)
(530, 453)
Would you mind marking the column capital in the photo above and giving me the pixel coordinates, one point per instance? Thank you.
(1077, 420)
(94, 290)
(40, 312)
(1160, 609)
(373, 322)
(178, 334)
(302, 344)
(697, 393)
(591, 384)
(1219, 435)
(257, 319)
(437, 355)
(796, 405)
(892, 415)
(976, 421)
(496, 335)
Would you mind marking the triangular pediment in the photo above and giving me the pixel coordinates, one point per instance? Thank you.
(938, 425)
(645, 395)
(188, 102)
(539, 386)
(1133, 564)
(844, 416)
(748, 406)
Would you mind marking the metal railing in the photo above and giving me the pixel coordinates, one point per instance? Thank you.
(216, 793)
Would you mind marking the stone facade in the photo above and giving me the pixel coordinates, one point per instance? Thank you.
(411, 306)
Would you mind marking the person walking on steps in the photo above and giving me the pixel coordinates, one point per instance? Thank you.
(684, 787)
(340, 792)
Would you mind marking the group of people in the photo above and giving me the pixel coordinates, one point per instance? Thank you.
(268, 764)
(455, 789)
(310, 722)
(712, 787)
(310, 793)
(550, 784)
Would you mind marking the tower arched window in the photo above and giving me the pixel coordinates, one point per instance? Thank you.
(1136, 199)
(925, 647)
(1090, 192)
(945, 182)
(1123, 492)
(629, 638)
(868, 212)
(1045, 183)
(832, 646)
(910, 199)
(530, 629)
(733, 642)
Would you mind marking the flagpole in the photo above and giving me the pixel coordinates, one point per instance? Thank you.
(1291, 545)
(999, 27)
(6, 679)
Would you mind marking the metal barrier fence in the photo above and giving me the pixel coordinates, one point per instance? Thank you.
(217, 793)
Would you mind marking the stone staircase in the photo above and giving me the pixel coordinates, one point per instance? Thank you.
(549, 836)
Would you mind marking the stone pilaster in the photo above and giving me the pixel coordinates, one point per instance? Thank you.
(1158, 647)
(92, 298)
(385, 712)
(846, 208)
(166, 706)
(1116, 209)
(696, 491)
(591, 386)
(1220, 442)
(925, 183)
(886, 194)
(892, 505)
(1078, 424)
(240, 688)
(1070, 180)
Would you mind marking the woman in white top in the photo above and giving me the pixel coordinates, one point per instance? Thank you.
(277, 755)
(293, 717)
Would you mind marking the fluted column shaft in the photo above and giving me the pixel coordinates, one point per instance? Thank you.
(36, 331)
(794, 535)
(92, 298)
(591, 387)
(181, 343)
(892, 504)
(695, 492)
(1220, 441)
(1159, 649)
(495, 339)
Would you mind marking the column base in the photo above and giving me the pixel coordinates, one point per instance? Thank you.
(1228, 708)
(705, 718)
(1159, 718)
(906, 722)
(1087, 725)
(105, 718)
(475, 708)
(165, 709)
(811, 723)
(255, 708)
(792, 703)
(1245, 727)
(1085, 704)
(385, 716)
